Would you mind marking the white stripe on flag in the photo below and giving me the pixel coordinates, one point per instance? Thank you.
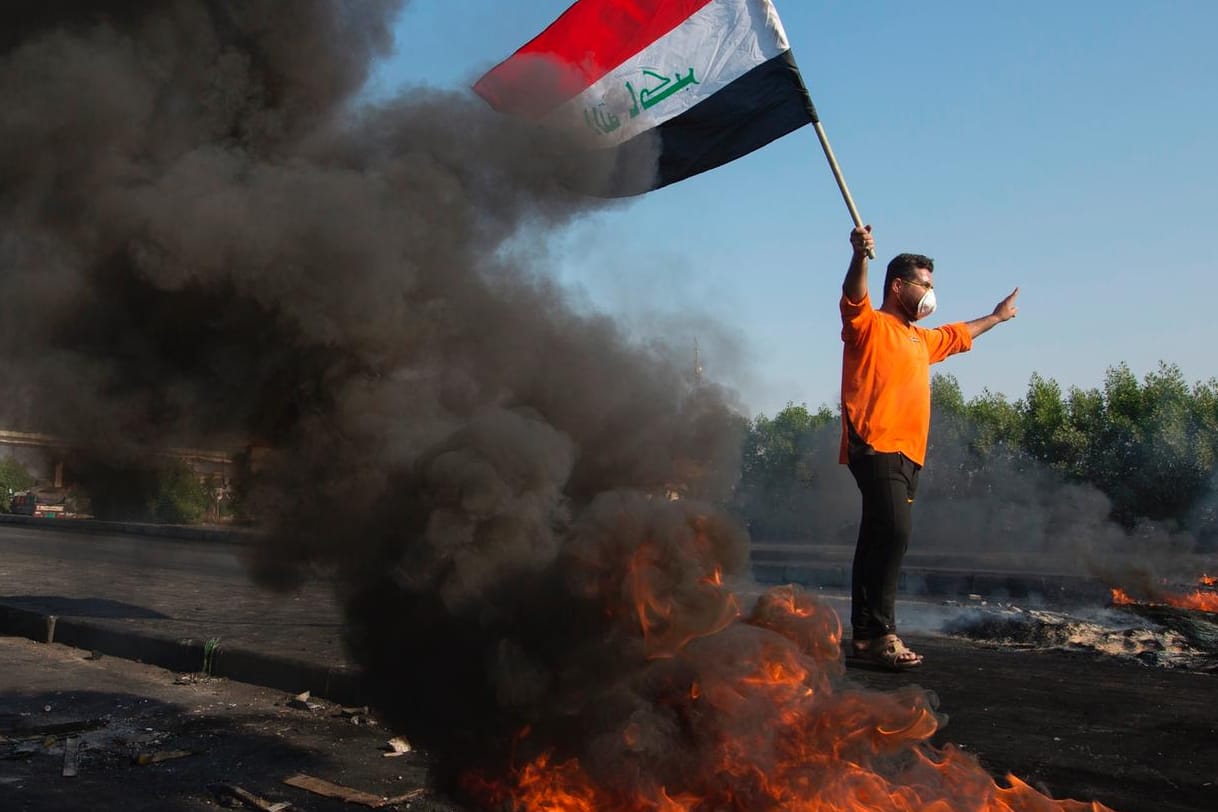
(716, 45)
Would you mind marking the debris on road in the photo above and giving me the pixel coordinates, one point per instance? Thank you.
(302, 701)
(358, 716)
(54, 728)
(398, 746)
(327, 789)
(143, 759)
(71, 756)
(1162, 642)
(225, 792)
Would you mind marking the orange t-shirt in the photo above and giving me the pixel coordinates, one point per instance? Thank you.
(886, 377)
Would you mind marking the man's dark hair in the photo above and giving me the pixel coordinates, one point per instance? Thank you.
(903, 266)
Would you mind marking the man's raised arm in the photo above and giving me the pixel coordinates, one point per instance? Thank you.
(1003, 311)
(855, 286)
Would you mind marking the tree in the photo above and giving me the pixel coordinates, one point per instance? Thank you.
(779, 468)
(995, 422)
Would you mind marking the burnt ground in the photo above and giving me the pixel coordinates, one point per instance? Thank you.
(1073, 724)
(239, 735)
(1077, 725)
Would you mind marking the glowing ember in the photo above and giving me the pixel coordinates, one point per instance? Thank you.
(766, 722)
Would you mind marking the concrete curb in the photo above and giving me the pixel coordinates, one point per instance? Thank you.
(97, 526)
(187, 655)
(946, 583)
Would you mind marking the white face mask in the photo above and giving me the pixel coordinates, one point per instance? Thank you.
(926, 305)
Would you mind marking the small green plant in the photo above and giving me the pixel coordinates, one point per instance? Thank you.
(209, 651)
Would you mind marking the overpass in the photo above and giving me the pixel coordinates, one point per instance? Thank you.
(44, 455)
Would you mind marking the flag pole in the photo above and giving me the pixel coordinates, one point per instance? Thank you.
(837, 173)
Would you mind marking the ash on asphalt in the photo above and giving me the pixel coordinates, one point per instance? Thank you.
(236, 734)
(1151, 635)
(1075, 724)
(1154, 636)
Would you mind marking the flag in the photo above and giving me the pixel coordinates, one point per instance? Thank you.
(665, 88)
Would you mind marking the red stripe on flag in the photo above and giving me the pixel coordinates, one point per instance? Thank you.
(590, 38)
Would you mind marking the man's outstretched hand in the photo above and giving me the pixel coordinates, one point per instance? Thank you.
(1006, 309)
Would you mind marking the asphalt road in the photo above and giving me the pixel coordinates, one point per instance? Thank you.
(1082, 725)
(171, 589)
(211, 733)
(141, 554)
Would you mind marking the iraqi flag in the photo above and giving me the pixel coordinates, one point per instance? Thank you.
(663, 89)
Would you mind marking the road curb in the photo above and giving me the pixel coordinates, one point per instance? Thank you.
(943, 583)
(187, 655)
(97, 526)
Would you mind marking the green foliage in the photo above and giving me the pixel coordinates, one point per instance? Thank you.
(13, 478)
(996, 423)
(1151, 446)
(180, 497)
(778, 469)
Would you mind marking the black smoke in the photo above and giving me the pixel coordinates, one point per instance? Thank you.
(206, 240)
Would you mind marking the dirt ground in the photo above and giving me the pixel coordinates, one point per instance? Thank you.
(120, 713)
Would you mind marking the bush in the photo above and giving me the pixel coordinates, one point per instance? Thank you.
(180, 497)
(13, 477)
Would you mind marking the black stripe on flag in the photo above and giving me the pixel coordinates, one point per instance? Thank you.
(762, 105)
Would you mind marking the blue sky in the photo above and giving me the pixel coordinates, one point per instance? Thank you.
(1064, 147)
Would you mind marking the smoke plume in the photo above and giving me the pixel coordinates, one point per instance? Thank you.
(205, 241)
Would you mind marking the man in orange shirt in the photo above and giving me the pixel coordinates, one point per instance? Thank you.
(885, 422)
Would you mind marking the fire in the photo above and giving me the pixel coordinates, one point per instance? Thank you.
(659, 614)
(756, 716)
(1200, 599)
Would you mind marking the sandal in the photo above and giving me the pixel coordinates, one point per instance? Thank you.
(887, 652)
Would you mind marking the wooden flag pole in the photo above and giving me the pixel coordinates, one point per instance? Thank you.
(841, 181)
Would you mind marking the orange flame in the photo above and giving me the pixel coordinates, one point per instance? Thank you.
(668, 623)
(1202, 600)
(771, 726)
(1199, 600)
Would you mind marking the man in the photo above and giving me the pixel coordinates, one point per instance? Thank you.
(885, 422)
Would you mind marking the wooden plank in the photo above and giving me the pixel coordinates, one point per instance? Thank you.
(327, 789)
(71, 756)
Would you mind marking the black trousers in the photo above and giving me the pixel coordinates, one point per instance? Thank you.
(888, 483)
